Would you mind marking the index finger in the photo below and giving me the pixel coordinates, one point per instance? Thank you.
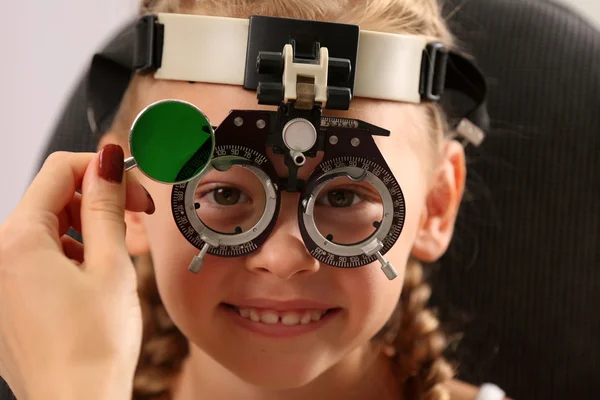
(54, 187)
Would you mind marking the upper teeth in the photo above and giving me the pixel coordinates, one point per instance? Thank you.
(287, 318)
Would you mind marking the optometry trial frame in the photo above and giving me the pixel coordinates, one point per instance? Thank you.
(302, 68)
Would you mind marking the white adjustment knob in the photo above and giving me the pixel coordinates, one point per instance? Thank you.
(387, 268)
(198, 260)
(299, 135)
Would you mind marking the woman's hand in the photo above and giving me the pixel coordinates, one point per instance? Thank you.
(70, 319)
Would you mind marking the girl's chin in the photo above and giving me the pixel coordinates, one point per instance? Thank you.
(273, 375)
(271, 356)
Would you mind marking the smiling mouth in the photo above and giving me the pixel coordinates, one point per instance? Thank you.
(287, 318)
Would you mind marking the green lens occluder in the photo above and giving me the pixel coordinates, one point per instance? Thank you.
(172, 141)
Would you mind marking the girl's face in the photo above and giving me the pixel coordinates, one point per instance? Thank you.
(332, 311)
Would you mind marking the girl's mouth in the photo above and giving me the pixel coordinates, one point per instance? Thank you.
(280, 323)
(288, 318)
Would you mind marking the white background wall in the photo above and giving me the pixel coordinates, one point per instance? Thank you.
(42, 53)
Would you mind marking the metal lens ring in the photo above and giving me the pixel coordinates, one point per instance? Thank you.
(227, 242)
(387, 230)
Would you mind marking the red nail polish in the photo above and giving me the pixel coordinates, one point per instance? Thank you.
(112, 163)
(151, 207)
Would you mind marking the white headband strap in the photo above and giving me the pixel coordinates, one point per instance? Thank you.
(388, 66)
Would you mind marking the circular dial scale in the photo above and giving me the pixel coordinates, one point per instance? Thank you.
(241, 151)
(182, 215)
(394, 211)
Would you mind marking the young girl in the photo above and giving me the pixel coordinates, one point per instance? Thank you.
(350, 333)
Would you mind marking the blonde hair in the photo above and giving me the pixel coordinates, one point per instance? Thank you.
(412, 335)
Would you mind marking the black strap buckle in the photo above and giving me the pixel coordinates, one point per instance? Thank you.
(147, 55)
(444, 72)
(433, 71)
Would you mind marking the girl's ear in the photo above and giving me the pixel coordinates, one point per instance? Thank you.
(442, 204)
(136, 238)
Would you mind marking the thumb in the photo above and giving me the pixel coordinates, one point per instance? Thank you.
(103, 210)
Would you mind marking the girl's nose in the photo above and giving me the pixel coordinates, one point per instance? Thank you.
(284, 253)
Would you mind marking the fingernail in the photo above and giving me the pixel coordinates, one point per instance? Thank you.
(112, 163)
(151, 207)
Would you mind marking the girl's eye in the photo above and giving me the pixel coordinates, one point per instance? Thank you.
(225, 196)
(339, 198)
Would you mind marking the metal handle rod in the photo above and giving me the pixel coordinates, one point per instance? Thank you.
(130, 163)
